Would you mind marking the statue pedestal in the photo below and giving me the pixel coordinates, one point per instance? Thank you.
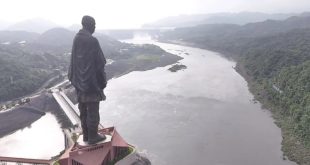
(101, 153)
(81, 143)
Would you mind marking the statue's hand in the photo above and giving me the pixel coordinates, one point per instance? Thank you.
(103, 97)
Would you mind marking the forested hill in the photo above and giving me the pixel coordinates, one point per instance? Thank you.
(232, 37)
(274, 56)
(27, 60)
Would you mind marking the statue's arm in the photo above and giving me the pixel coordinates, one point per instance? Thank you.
(71, 62)
(101, 61)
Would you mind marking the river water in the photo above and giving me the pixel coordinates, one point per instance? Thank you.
(202, 115)
(43, 139)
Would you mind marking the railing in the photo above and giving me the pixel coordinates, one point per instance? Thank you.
(68, 107)
(23, 161)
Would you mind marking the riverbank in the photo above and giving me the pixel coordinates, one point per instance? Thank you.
(292, 146)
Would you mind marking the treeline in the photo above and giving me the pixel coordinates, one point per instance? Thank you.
(279, 67)
(294, 99)
(274, 56)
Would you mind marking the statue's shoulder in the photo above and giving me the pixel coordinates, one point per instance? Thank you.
(94, 39)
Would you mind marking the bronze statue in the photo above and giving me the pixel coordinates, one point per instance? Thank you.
(87, 75)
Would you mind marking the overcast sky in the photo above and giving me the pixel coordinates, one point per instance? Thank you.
(133, 13)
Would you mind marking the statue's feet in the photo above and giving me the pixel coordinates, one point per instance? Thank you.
(85, 138)
(96, 139)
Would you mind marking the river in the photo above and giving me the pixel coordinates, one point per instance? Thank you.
(197, 116)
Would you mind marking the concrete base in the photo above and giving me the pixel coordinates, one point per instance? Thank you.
(80, 141)
(134, 158)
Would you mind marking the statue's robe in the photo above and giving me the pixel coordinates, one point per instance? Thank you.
(86, 71)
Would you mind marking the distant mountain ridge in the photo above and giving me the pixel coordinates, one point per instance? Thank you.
(216, 36)
(56, 37)
(4, 24)
(216, 18)
(17, 36)
(37, 25)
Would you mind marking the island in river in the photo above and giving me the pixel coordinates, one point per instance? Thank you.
(177, 67)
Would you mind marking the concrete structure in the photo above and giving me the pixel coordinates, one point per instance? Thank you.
(102, 153)
(80, 153)
(67, 106)
(10, 160)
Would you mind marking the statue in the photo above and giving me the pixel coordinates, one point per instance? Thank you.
(87, 75)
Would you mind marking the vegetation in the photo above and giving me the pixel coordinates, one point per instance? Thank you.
(279, 67)
(74, 137)
(21, 72)
(295, 98)
(56, 163)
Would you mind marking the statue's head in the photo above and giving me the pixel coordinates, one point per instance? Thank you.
(89, 23)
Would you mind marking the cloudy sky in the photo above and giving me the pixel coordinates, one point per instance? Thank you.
(133, 13)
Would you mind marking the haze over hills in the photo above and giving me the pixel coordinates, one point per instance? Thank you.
(216, 18)
(56, 37)
(17, 36)
(221, 35)
(4, 25)
(75, 27)
(37, 25)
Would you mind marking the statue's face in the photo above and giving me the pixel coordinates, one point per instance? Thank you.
(92, 28)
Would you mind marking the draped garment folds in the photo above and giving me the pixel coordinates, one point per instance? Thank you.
(86, 71)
